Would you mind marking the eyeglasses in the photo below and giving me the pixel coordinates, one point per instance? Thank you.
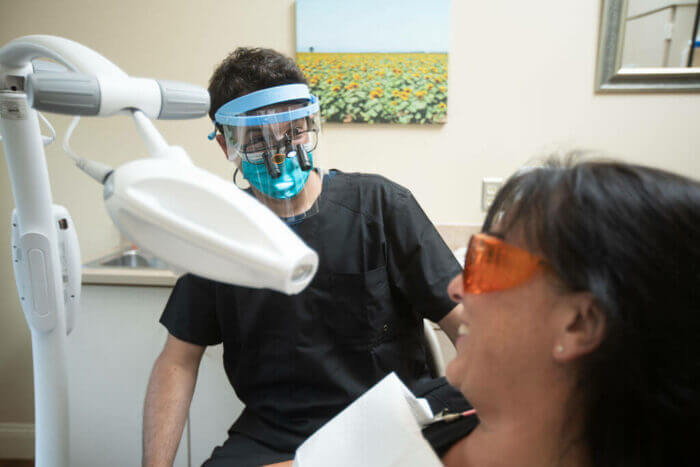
(258, 143)
(492, 264)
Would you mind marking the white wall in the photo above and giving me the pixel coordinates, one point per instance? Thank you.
(521, 80)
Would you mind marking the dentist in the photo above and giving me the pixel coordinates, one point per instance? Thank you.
(296, 361)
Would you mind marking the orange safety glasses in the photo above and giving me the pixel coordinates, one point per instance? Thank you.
(492, 264)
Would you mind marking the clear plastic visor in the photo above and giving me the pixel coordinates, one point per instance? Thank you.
(275, 131)
(276, 149)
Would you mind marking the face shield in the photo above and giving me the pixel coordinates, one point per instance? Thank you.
(272, 135)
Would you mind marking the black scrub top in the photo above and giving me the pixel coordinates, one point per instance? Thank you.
(296, 361)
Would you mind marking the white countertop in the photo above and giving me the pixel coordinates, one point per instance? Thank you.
(129, 276)
(126, 275)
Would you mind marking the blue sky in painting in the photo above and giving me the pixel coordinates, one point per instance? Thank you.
(373, 25)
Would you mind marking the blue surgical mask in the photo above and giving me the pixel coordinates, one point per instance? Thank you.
(286, 186)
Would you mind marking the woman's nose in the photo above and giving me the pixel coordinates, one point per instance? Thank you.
(455, 289)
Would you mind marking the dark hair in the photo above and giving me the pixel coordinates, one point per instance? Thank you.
(250, 69)
(630, 235)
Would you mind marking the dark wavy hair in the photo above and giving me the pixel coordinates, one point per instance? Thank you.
(250, 69)
(630, 235)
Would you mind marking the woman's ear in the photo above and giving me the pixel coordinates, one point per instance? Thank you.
(582, 327)
(222, 142)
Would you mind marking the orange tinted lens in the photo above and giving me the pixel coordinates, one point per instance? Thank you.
(492, 264)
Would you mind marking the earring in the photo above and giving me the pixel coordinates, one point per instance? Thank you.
(560, 348)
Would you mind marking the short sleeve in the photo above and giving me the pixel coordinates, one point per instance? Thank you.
(190, 314)
(420, 263)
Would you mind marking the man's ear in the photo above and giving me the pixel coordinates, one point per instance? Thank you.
(222, 142)
(581, 329)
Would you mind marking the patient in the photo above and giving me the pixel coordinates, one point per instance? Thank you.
(581, 332)
(580, 335)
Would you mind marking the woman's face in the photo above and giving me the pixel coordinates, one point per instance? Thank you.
(510, 336)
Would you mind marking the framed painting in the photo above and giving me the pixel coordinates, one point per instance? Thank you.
(376, 62)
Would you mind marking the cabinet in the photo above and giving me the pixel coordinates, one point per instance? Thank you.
(110, 354)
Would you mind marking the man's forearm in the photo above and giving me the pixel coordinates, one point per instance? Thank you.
(168, 399)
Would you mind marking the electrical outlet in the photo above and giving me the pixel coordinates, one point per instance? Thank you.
(489, 189)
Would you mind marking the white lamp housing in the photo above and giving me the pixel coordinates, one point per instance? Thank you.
(200, 223)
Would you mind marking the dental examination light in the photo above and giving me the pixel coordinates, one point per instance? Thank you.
(182, 214)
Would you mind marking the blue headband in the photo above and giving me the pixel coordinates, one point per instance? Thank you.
(232, 112)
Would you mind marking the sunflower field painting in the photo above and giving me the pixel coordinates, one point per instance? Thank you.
(388, 67)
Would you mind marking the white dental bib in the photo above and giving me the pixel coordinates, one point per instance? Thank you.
(382, 428)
